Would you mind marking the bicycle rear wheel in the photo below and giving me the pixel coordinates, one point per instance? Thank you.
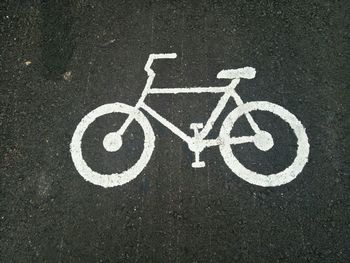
(276, 179)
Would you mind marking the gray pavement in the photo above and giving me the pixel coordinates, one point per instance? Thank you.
(60, 60)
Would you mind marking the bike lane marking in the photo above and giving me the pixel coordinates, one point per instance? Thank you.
(197, 143)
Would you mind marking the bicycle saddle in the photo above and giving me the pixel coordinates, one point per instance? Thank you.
(240, 73)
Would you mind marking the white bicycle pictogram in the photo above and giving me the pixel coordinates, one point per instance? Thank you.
(262, 140)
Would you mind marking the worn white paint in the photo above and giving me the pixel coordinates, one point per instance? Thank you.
(262, 139)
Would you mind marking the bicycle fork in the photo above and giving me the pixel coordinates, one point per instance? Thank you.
(113, 140)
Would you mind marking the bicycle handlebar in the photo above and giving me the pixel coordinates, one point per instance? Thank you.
(157, 56)
(164, 56)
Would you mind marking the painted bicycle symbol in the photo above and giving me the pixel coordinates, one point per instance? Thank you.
(262, 140)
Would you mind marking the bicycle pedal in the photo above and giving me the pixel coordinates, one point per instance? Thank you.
(198, 164)
(196, 126)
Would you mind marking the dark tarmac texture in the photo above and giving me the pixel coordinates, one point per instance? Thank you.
(61, 59)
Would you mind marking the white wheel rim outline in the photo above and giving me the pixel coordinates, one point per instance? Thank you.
(280, 178)
(114, 179)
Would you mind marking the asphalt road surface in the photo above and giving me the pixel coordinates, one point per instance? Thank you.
(60, 60)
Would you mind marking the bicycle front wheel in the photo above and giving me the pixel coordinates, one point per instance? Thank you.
(275, 179)
(113, 179)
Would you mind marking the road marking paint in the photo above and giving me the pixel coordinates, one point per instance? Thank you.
(262, 139)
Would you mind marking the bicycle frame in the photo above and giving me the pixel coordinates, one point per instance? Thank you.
(198, 141)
